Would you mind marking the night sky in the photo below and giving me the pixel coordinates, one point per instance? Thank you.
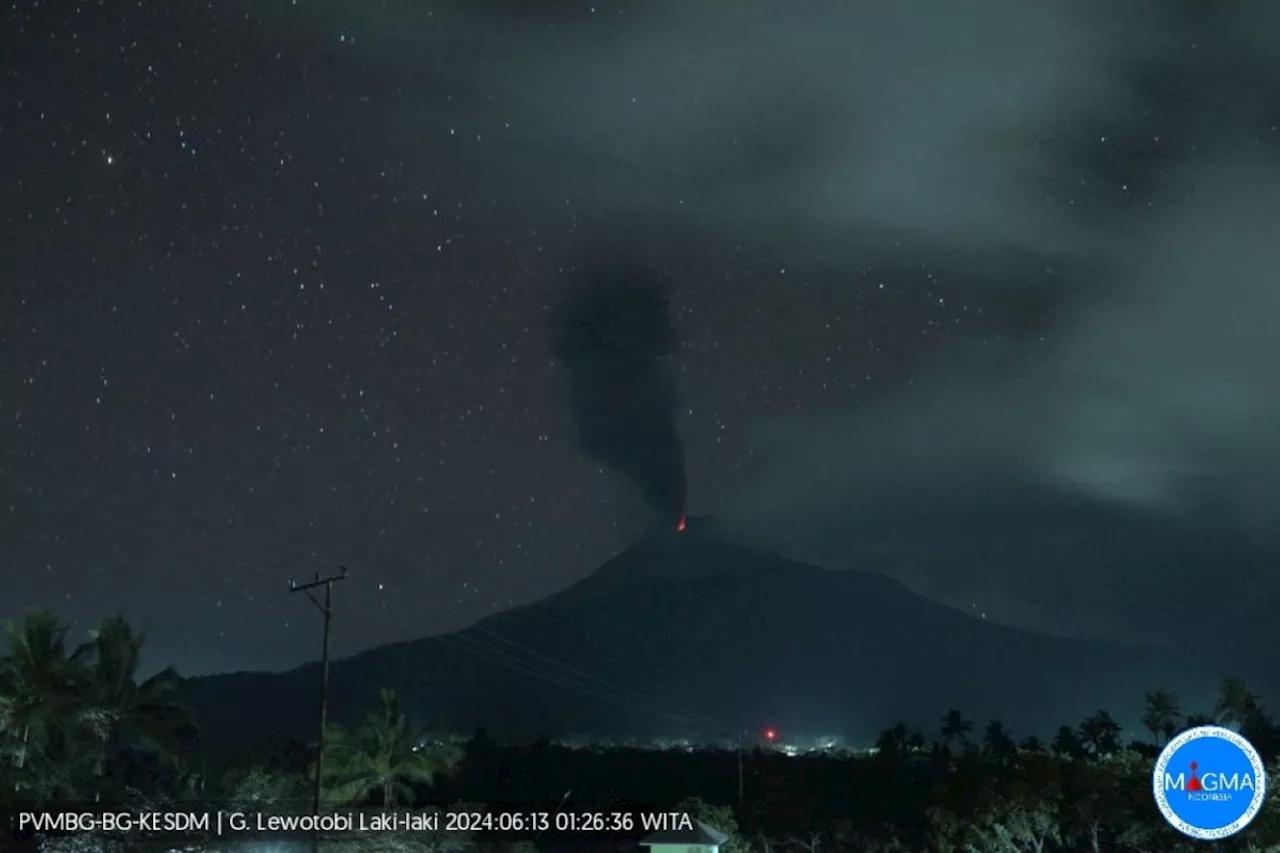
(964, 295)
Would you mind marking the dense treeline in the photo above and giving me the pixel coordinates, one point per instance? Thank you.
(79, 723)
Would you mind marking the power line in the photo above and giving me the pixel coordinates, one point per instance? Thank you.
(564, 681)
(462, 641)
(584, 673)
(581, 681)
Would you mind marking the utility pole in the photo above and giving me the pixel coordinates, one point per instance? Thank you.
(327, 610)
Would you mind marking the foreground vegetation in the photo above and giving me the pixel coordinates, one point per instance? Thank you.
(79, 723)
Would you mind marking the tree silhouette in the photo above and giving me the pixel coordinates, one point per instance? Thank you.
(955, 728)
(1160, 714)
(384, 756)
(916, 741)
(717, 817)
(1031, 744)
(1100, 735)
(1067, 743)
(118, 708)
(997, 743)
(64, 764)
(35, 679)
(1236, 702)
(1192, 721)
(894, 742)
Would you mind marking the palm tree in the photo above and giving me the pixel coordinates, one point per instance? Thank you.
(955, 728)
(1161, 714)
(1067, 743)
(64, 762)
(115, 706)
(1100, 735)
(1031, 743)
(1236, 702)
(997, 742)
(893, 742)
(1192, 721)
(35, 679)
(384, 755)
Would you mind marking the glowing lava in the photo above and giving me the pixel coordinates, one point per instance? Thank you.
(682, 524)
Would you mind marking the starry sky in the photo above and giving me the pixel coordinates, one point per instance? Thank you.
(984, 300)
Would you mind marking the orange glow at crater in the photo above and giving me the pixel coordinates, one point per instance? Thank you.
(682, 524)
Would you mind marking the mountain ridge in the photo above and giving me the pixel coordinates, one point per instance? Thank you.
(686, 634)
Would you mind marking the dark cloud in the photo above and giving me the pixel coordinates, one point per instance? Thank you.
(1119, 164)
(1155, 398)
(1152, 394)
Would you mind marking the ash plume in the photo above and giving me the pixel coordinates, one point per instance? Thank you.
(613, 333)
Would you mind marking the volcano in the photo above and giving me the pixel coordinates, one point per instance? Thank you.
(687, 634)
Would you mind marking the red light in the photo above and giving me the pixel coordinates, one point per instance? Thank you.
(682, 524)
(770, 734)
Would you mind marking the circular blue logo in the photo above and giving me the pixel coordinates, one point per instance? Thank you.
(1209, 783)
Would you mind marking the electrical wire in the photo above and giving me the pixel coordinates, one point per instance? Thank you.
(573, 678)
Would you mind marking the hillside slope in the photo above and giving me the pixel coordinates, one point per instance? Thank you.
(687, 634)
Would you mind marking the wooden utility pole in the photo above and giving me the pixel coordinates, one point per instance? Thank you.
(327, 610)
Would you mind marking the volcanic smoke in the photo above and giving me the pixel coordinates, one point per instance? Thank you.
(613, 332)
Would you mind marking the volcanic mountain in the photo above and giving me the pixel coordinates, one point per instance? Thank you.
(687, 634)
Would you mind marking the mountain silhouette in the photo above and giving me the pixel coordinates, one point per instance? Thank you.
(688, 634)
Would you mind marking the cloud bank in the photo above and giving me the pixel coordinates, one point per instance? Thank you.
(983, 138)
(1132, 148)
(827, 125)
